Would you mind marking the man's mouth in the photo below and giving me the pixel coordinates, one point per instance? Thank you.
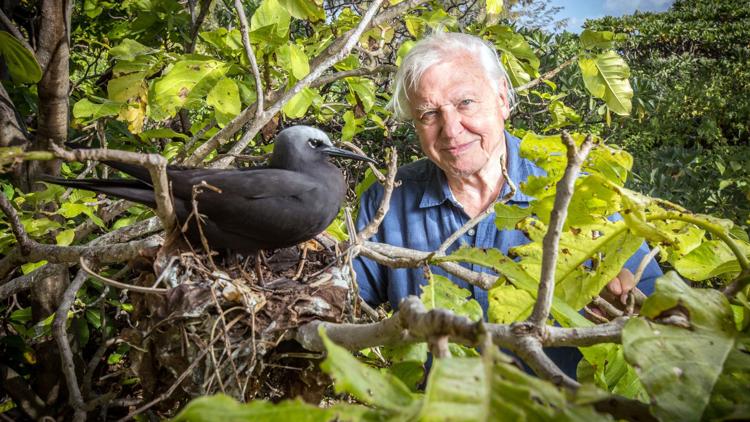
(459, 149)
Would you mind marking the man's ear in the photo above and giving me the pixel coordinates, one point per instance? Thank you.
(502, 85)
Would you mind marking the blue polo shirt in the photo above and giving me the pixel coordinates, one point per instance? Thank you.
(423, 213)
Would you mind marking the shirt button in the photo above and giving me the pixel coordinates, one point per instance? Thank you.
(472, 232)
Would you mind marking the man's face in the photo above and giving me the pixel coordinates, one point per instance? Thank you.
(459, 116)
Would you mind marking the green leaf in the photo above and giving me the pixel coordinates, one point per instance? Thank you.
(711, 259)
(350, 126)
(298, 105)
(185, 85)
(365, 91)
(271, 22)
(491, 388)
(494, 7)
(365, 383)
(562, 115)
(509, 304)
(224, 97)
(162, 133)
(311, 10)
(292, 58)
(65, 237)
(221, 407)
(87, 110)
(681, 366)
(442, 293)
(517, 55)
(606, 77)
(21, 63)
(597, 39)
(519, 276)
(507, 216)
(31, 266)
(129, 49)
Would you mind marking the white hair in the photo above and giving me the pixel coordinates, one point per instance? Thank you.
(437, 48)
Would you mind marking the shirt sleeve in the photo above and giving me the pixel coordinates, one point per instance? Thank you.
(371, 276)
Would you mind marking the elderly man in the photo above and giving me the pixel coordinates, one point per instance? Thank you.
(454, 89)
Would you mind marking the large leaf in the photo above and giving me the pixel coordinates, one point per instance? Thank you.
(298, 105)
(442, 293)
(606, 77)
(292, 58)
(22, 65)
(184, 85)
(680, 367)
(516, 54)
(509, 304)
(711, 259)
(608, 244)
(87, 110)
(270, 23)
(365, 383)
(519, 276)
(224, 97)
(486, 389)
(129, 50)
(311, 10)
(224, 408)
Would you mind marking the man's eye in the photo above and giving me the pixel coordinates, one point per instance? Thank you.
(428, 116)
(466, 102)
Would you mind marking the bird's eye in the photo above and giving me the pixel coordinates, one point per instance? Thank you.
(314, 143)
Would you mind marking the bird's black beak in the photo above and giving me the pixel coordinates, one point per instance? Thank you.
(338, 152)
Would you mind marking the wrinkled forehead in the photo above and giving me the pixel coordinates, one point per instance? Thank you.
(448, 79)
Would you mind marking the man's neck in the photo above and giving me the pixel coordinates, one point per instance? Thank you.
(479, 190)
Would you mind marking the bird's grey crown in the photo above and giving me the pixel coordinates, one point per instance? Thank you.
(307, 134)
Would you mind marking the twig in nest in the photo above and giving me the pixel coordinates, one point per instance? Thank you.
(179, 380)
(197, 190)
(302, 262)
(119, 285)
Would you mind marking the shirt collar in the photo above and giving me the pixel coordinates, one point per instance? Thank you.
(437, 190)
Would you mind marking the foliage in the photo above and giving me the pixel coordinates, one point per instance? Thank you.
(146, 79)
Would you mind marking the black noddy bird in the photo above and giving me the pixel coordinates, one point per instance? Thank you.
(291, 200)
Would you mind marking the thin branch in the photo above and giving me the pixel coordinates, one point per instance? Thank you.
(530, 351)
(68, 254)
(350, 39)
(372, 227)
(154, 163)
(547, 75)
(59, 324)
(251, 57)
(119, 285)
(24, 241)
(375, 171)
(644, 263)
(565, 188)
(196, 25)
(363, 71)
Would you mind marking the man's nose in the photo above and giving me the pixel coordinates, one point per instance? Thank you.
(452, 125)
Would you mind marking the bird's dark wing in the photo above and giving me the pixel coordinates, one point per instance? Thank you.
(254, 183)
(132, 190)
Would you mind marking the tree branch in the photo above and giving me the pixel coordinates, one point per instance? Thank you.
(250, 57)
(372, 227)
(565, 188)
(547, 75)
(154, 163)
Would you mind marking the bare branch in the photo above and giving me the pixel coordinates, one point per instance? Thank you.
(66, 354)
(610, 332)
(363, 71)
(644, 263)
(196, 25)
(547, 75)
(117, 284)
(396, 257)
(24, 241)
(565, 188)
(154, 163)
(372, 227)
(251, 57)
(529, 349)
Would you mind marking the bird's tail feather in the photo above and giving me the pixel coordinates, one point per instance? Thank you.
(132, 190)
